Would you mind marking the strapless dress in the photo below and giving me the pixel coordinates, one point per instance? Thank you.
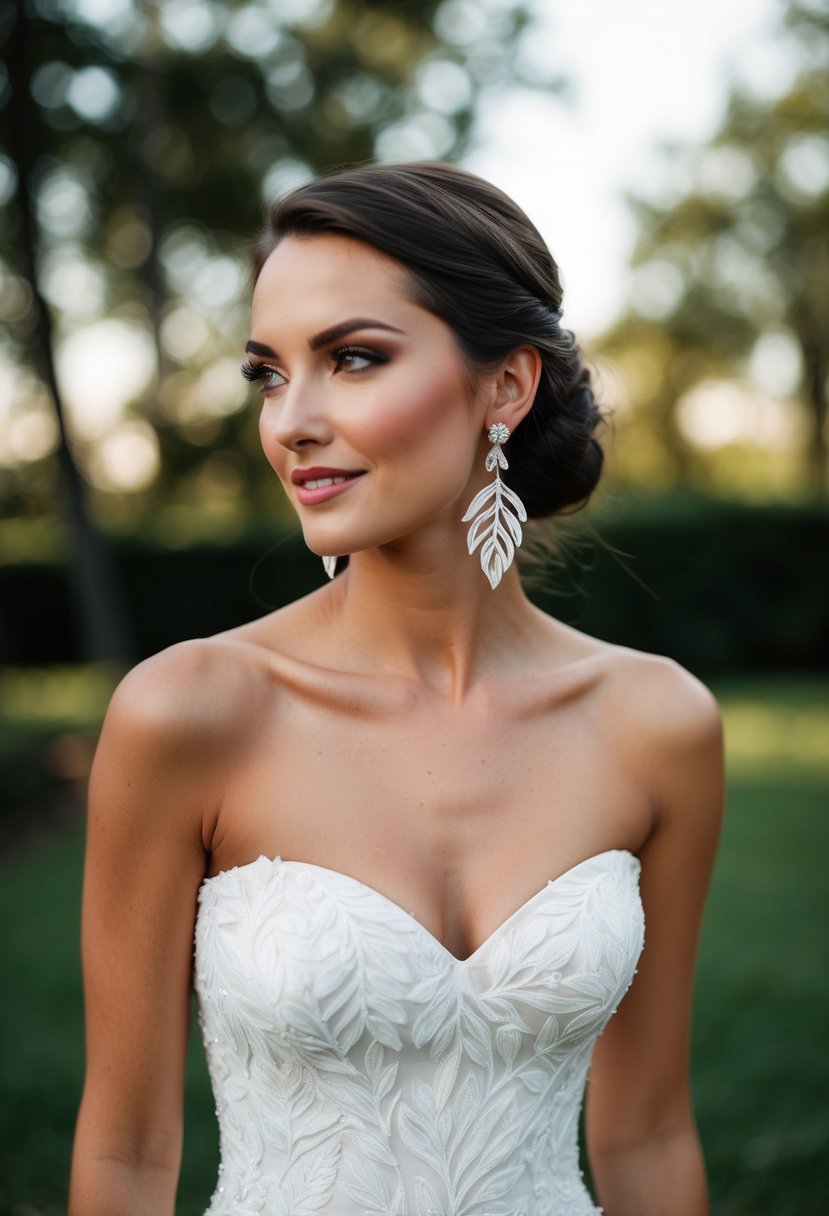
(360, 1069)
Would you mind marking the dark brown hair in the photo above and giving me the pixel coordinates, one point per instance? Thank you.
(476, 261)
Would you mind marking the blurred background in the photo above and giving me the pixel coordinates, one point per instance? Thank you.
(675, 156)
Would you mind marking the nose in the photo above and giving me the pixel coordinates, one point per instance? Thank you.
(296, 418)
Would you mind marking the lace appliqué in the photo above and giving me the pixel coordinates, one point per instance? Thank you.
(359, 1069)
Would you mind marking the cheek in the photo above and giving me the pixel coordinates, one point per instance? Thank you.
(419, 415)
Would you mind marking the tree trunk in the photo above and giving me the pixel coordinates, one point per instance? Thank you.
(150, 119)
(815, 372)
(102, 622)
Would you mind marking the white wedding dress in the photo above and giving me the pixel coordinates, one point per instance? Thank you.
(360, 1069)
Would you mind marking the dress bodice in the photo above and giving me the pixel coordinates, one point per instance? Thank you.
(360, 1069)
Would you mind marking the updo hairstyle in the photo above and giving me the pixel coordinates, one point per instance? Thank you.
(476, 261)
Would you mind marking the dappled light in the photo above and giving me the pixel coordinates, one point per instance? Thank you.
(443, 85)
(103, 367)
(657, 288)
(219, 390)
(765, 738)
(184, 333)
(29, 434)
(422, 137)
(64, 207)
(775, 364)
(285, 175)
(94, 94)
(126, 458)
(728, 294)
(71, 696)
(718, 412)
(129, 237)
(16, 298)
(727, 173)
(803, 169)
(8, 180)
(191, 25)
(73, 284)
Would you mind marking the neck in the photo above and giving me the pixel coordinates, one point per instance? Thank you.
(425, 611)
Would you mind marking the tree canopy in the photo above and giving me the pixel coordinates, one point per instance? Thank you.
(732, 270)
(139, 144)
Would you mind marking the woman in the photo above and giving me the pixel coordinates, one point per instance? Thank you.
(413, 822)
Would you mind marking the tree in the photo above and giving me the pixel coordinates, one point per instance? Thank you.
(153, 134)
(103, 627)
(741, 254)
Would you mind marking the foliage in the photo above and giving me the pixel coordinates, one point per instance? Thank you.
(759, 1067)
(155, 133)
(49, 720)
(715, 584)
(732, 267)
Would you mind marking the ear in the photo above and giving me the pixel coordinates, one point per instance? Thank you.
(513, 387)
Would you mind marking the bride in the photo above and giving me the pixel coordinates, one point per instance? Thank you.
(404, 835)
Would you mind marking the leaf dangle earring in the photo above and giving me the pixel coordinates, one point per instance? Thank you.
(497, 528)
(330, 564)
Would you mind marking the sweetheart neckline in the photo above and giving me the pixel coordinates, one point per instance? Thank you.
(496, 932)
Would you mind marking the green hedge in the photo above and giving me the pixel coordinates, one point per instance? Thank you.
(716, 585)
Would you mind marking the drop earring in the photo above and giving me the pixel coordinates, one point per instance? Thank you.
(330, 565)
(497, 528)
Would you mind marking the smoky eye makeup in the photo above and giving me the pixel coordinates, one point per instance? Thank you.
(348, 358)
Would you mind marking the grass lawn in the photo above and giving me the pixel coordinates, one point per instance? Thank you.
(761, 1069)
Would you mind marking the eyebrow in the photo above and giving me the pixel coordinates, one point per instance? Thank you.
(327, 335)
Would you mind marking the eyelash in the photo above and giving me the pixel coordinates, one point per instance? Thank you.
(338, 353)
(254, 372)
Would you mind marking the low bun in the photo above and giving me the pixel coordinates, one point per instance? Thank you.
(555, 457)
(475, 260)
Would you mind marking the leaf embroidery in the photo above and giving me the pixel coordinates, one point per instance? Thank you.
(359, 1069)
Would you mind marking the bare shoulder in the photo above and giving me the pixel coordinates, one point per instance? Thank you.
(192, 688)
(171, 729)
(669, 723)
(661, 723)
(661, 694)
(644, 692)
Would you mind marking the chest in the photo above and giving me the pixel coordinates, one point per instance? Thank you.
(450, 810)
(494, 752)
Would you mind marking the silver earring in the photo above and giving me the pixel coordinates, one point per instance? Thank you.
(498, 542)
(330, 565)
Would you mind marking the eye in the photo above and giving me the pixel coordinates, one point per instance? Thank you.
(268, 377)
(355, 358)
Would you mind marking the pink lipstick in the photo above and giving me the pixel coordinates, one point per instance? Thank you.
(319, 484)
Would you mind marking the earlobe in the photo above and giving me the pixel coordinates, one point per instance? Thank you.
(516, 384)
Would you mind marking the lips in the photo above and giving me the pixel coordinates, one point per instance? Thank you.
(310, 477)
(318, 484)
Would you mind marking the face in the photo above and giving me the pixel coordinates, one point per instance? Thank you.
(368, 414)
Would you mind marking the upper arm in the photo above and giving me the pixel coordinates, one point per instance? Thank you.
(155, 779)
(639, 1080)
